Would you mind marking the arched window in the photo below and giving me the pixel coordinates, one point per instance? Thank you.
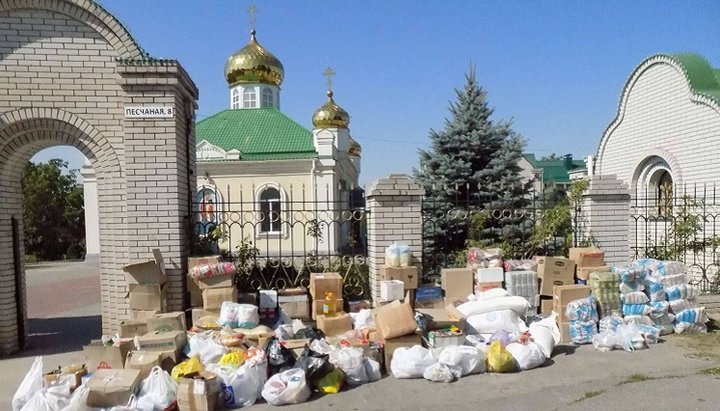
(235, 99)
(249, 98)
(270, 210)
(207, 206)
(267, 98)
(664, 192)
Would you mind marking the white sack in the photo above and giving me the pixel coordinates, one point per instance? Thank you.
(463, 360)
(411, 362)
(287, 387)
(515, 303)
(527, 356)
(488, 323)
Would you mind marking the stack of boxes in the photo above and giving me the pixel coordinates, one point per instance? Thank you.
(390, 278)
(489, 278)
(553, 271)
(562, 296)
(320, 285)
(295, 303)
(209, 293)
(588, 260)
(146, 287)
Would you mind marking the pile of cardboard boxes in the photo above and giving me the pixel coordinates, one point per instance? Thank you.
(323, 285)
(147, 290)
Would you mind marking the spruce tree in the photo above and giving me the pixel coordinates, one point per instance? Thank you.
(470, 169)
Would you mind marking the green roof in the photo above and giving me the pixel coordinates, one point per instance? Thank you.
(258, 133)
(555, 171)
(703, 79)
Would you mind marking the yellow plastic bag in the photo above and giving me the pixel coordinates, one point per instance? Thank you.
(331, 383)
(233, 359)
(499, 359)
(186, 367)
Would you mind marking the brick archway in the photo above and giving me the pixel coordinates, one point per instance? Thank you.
(65, 79)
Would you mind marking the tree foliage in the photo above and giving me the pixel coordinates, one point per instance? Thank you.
(54, 218)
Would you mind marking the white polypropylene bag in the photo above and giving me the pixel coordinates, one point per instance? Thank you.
(229, 314)
(546, 334)
(490, 294)
(515, 303)
(287, 387)
(32, 383)
(411, 362)
(206, 347)
(438, 373)
(350, 361)
(372, 369)
(488, 323)
(463, 360)
(527, 356)
(247, 316)
(157, 392)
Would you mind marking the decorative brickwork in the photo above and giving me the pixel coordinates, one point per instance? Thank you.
(67, 70)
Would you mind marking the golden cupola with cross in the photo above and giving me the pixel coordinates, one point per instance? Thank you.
(330, 115)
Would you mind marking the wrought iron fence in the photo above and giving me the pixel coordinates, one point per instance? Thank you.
(281, 235)
(538, 225)
(680, 224)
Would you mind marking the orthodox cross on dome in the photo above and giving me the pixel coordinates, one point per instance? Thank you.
(252, 10)
(329, 73)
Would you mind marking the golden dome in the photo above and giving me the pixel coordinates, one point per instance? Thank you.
(354, 148)
(330, 115)
(253, 64)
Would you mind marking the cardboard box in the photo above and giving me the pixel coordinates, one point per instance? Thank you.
(73, 372)
(199, 392)
(108, 388)
(392, 344)
(214, 297)
(445, 338)
(317, 306)
(546, 305)
(147, 297)
(482, 287)
(170, 342)
(219, 281)
(144, 361)
(248, 298)
(392, 290)
(131, 328)
(587, 256)
(583, 273)
(298, 308)
(334, 325)
(457, 281)
(555, 267)
(320, 283)
(454, 300)
(143, 315)
(426, 304)
(564, 333)
(198, 313)
(195, 261)
(490, 275)
(439, 318)
(100, 356)
(428, 292)
(268, 299)
(408, 275)
(562, 295)
(395, 319)
(174, 321)
(194, 291)
(147, 272)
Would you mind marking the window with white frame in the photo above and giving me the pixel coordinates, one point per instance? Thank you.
(235, 99)
(249, 98)
(267, 98)
(270, 209)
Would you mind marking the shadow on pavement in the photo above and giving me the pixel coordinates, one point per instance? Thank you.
(59, 335)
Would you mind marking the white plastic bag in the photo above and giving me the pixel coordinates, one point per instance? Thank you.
(32, 383)
(372, 369)
(242, 386)
(518, 304)
(158, 391)
(488, 323)
(350, 361)
(527, 356)
(411, 362)
(78, 400)
(48, 400)
(490, 294)
(229, 314)
(362, 319)
(546, 334)
(284, 332)
(247, 316)
(463, 360)
(206, 347)
(438, 373)
(287, 387)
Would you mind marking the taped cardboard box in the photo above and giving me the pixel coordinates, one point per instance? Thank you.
(583, 273)
(317, 306)
(564, 333)
(144, 361)
(395, 319)
(439, 318)
(73, 372)
(546, 305)
(174, 321)
(131, 328)
(100, 356)
(562, 295)
(147, 272)
(170, 342)
(454, 300)
(295, 302)
(587, 256)
(198, 313)
(195, 292)
(195, 261)
(408, 275)
(490, 275)
(321, 283)
(214, 297)
(108, 388)
(555, 267)
(147, 297)
(457, 281)
(482, 287)
(334, 325)
(199, 392)
(142, 315)
(440, 303)
(220, 281)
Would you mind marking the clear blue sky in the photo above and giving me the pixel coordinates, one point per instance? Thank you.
(555, 67)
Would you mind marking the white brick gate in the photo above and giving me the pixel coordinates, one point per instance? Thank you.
(67, 71)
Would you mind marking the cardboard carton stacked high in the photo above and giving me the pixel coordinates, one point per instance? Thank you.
(457, 283)
(562, 295)
(553, 271)
(391, 279)
(395, 326)
(146, 287)
(213, 290)
(320, 285)
(588, 260)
